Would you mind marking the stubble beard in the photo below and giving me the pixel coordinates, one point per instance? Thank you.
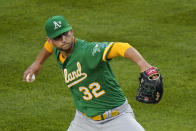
(70, 49)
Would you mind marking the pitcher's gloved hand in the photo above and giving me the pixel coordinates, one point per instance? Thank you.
(150, 86)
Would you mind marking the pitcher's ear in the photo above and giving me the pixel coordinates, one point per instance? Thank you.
(49, 40)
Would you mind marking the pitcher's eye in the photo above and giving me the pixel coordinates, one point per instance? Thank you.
(60, 36)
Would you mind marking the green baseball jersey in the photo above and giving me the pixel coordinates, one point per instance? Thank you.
(90, 79)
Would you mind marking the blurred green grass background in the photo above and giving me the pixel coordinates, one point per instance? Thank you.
(163, 31)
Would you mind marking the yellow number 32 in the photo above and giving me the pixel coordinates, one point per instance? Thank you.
(95, 87)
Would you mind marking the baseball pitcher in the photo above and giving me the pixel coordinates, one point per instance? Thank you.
(99, 101)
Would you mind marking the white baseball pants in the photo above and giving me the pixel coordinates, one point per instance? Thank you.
(125, 121)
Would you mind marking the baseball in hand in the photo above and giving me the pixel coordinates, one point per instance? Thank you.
(28, 78)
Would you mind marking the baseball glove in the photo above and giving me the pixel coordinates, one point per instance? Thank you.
(150, 86)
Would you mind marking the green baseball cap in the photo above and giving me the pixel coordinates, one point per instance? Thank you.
(56, 26)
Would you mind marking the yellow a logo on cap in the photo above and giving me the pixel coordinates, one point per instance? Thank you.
(57, 24)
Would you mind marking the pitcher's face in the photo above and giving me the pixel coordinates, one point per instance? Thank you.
(64, 42)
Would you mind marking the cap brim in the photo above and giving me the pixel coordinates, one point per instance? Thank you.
(59, 32)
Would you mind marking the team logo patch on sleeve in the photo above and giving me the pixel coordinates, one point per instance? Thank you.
(97, 48)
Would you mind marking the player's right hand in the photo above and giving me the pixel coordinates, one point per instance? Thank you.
(32, 69)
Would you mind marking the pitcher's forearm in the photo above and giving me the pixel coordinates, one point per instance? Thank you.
(43, 55)
(133, 55)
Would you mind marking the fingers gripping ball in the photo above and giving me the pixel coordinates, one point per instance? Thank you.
(28, 79)
(150, 86)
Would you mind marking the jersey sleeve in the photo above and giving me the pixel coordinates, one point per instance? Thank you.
(118, 49)
(48, 47)
(106, 51)
(96, 52)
